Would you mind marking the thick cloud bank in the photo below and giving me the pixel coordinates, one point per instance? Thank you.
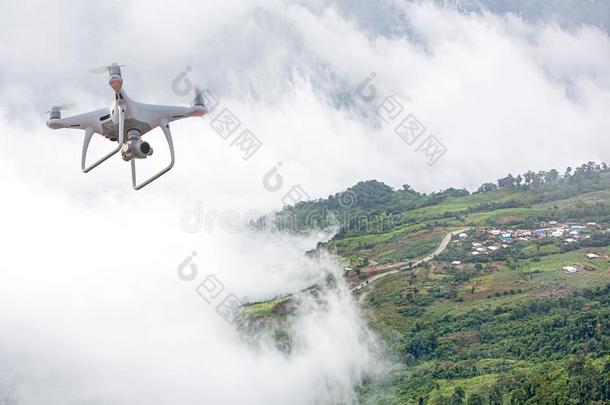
(94, 312)
(502, 92)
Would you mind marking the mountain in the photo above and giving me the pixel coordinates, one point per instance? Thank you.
(492, 297)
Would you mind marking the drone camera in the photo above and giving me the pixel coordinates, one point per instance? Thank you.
(135, 147)
(145, 148)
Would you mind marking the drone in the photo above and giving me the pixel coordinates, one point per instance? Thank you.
(125, 122)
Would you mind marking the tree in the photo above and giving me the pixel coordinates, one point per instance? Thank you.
(495, 395)
(487, 187)
(539, 178)
(518, 396)
(529, 177)
(518, 181)
(458, 396)
(475, 399)
(582, 377)
(506, 182)
(552, 176)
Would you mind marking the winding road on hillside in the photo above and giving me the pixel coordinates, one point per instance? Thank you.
(443, 245)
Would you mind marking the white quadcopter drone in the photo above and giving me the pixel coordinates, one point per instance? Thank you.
(125, 122)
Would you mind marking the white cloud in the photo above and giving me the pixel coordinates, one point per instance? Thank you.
(97, 312)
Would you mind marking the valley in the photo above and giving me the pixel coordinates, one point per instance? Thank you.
(492, 297)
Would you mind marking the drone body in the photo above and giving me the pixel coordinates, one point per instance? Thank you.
(125, 122)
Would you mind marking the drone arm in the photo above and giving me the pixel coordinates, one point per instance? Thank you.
(168, 136)
(89, 133)
(156, 114)
(185, 112)
(82, 121)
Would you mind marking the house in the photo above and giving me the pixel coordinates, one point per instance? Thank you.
(552, 222)
(592, 256)
(540, 232)
(476, 244)
(463, 235)
(495, 232)
(556, 233)
(493, 248)
(570, 269)
(591, 224)
(475, 253)
(522, 233)
(456, 262)
(570, 240)
(480, 249)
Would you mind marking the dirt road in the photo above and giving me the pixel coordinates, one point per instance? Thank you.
(441, 247)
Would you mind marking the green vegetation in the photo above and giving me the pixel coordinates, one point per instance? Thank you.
(264, 309)
(535, 350)
(525, 322)
(384, 225)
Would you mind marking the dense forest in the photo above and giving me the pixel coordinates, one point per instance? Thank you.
(569, 337)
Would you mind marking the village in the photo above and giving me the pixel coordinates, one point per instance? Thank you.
(488, 241)
(492, 244)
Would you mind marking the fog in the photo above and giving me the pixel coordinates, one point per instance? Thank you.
(94, 311)
(93, 308)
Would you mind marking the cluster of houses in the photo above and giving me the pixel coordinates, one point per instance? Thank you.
(496, 239)
(572, 231)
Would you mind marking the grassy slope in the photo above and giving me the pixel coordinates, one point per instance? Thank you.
(415, 234)
(532, 279)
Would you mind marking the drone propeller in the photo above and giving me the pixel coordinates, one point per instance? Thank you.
(103, 69)
(63, 107)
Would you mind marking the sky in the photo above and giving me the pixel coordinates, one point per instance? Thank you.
(93, 308)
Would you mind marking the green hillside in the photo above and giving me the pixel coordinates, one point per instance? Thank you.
(515, 310)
